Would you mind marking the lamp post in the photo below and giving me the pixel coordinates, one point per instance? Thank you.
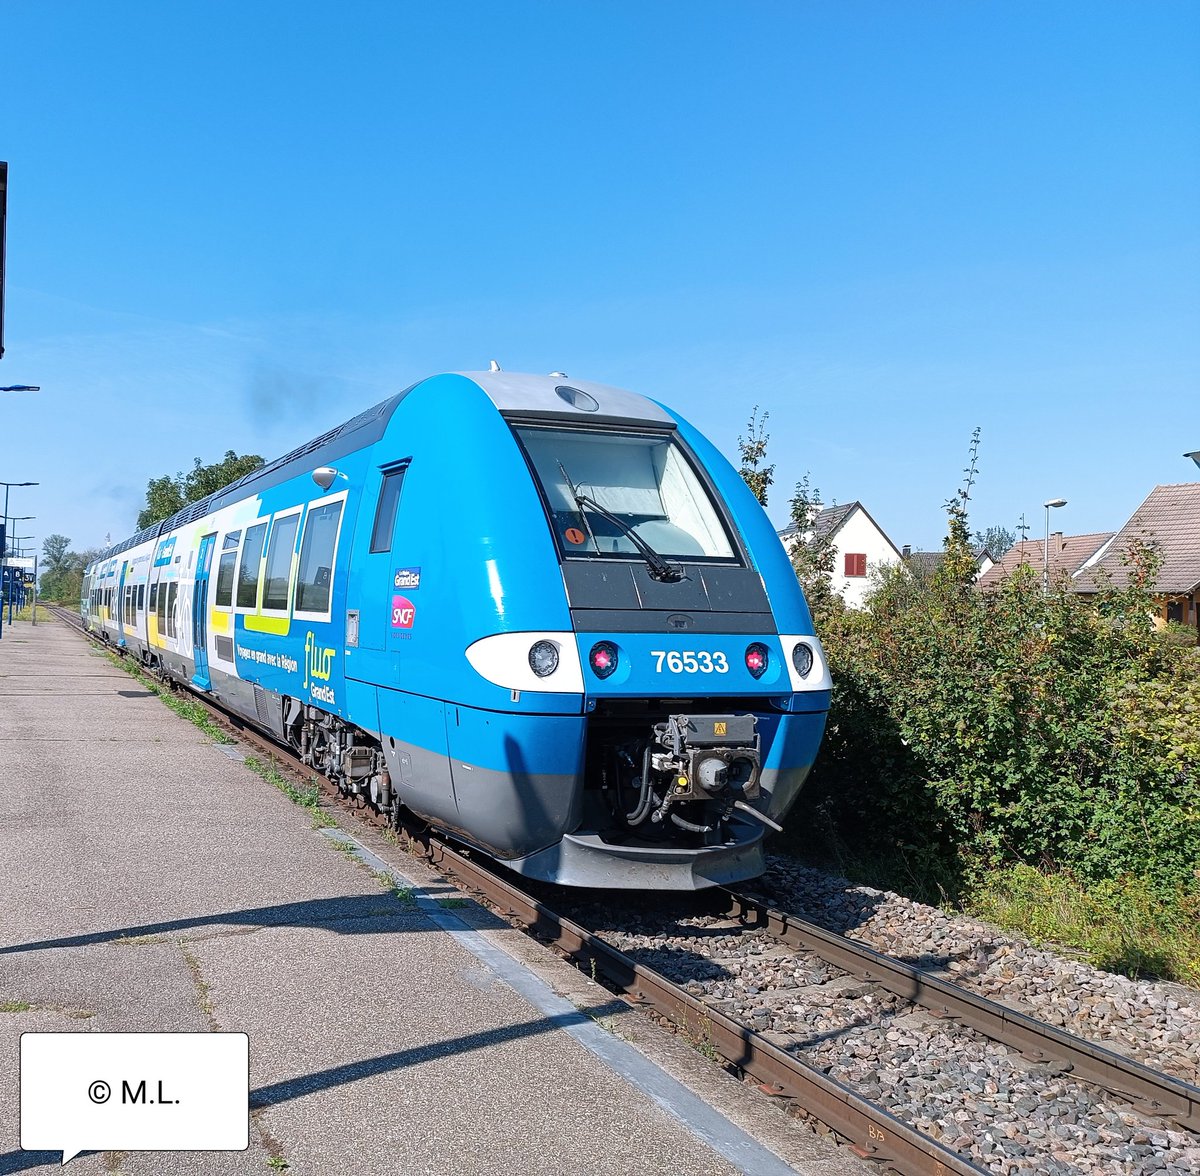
(21, 388)
(4, 573)
(15, 519)
(1194, 455)
(12, 579)
(1046, 549)
(8, 486)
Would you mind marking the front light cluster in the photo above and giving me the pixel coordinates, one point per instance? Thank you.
(802, 658)
(543, 658)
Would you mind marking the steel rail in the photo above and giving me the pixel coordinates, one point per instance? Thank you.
(1160, 1095)
(872, 1131)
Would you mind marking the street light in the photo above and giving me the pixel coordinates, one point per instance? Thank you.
(12, 578)
(21, 388)
(1046, 550)
(8, 486)
(16, 519)
(1194, 455)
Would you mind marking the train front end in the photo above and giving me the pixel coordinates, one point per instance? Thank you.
(703, 688)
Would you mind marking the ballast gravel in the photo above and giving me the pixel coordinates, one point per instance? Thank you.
(1005, 1113)
(1158, 1024)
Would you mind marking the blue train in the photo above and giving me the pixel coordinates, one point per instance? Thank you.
(545, 615)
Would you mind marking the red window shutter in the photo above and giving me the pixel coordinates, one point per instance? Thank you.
(856, 564)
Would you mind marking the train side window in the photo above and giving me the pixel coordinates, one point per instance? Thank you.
(385, 511)
(279, 562)
(314, 581)
(141, 601)
(153, 598)
(172, 596)
(247, 588)
(162, 609)
(225, 570)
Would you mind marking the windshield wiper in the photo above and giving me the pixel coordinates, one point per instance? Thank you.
(659, 568)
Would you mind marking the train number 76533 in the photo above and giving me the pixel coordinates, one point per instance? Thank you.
(691, 662)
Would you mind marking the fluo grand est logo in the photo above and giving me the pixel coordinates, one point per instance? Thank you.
(318, 668)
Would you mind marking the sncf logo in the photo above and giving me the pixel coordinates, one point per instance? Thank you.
(403, 612)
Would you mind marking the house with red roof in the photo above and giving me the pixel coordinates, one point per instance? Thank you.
(1168, 523)
(1064, 555)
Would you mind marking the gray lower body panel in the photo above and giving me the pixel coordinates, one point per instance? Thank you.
(585, 859)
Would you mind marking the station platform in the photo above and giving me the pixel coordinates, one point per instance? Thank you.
(152, 882)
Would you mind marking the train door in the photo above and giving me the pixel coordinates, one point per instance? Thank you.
(382, 611)
(120, 610)
(200, 612)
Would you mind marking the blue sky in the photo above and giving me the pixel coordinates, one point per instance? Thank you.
(232, 225)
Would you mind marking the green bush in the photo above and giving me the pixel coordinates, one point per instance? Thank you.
(971, 731)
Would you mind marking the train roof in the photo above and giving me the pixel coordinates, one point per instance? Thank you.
(558, 396)
(513, 394)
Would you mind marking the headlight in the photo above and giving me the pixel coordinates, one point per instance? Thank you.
(543, 658)
(802, 658)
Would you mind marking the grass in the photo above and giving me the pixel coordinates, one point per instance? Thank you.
(15, 1006)
(307, 798)
(26, 613)
(703, 1043)
(1120, 926)
(403, 893)
(184, 707)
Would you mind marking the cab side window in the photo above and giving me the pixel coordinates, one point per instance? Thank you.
(385, 511)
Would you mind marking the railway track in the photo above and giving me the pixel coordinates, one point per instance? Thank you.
(869, 1128)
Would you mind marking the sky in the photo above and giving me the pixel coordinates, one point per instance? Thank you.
(233, 225)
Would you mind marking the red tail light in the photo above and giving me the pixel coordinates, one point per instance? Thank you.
(757, 657)
(603, 659)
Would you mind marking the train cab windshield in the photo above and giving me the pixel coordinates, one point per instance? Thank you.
(617, 494)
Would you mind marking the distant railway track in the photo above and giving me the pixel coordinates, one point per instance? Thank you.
(870, 1129)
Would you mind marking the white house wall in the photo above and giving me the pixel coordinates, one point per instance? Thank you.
(860, 536)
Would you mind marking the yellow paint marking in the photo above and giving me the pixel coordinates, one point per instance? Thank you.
(277, 625)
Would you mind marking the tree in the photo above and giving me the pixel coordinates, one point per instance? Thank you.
(814, 555)
(995, 540)
(166, 495)
(58, 566)
(203, 480)
(56, 555)
(753, 449)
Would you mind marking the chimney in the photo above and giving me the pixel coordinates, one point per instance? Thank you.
(1056, 538)
(906, 550)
